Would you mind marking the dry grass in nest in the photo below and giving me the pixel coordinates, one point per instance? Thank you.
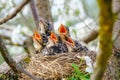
(53, 67)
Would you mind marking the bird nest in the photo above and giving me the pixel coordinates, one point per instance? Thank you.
(54, 67)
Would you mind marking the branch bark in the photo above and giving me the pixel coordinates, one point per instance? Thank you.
(7, 57)
(105, 39)
(12, 15)
(43, 8)
(34, 13)
(17, 68)
(91, 36)
(4, 68)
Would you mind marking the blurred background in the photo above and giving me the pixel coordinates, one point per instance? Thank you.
(80, 16)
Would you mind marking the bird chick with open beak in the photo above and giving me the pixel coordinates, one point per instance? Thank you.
(40, 41)
(69, 43)
(75, 46)
(52, 47)
(72, 46)
(62, 31)
(37, 39)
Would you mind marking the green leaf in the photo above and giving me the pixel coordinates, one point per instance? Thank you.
(77, 69)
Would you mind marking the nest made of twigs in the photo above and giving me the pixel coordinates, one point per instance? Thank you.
(54, 67)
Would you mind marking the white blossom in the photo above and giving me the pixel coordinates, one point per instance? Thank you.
(89, 68)
(17, 37)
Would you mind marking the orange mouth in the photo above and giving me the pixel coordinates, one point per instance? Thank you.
(36, 35)
(53, 37)
(62, 29)
(70, 41)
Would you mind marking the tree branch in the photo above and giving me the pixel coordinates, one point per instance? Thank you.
(4, 68)
(7, 56)
(17, 68)
(44, 11)
(34, 13)
(43, 8)
(12, 15)
(91, 36)
(105, 39)
(25, 20)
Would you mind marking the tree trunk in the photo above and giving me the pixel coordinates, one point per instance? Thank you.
(44, 9)
(113, 70)
(105, 39)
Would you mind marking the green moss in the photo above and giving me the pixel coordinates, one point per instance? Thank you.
(105, 38)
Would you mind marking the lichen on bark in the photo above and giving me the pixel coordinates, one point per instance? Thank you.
(105, 38)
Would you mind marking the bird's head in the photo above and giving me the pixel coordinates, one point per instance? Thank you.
(52, 40)
(36, 36)
(69, 41)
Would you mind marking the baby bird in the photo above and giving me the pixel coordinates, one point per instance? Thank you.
(40, 41)
(69, 43)
(52, 45)
(72, 45)
(80, 47)
(37, 40)
(62, 30)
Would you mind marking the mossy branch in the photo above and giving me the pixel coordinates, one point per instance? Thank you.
(105, 38)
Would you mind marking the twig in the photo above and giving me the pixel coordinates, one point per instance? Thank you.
(91, 36)
(17, 68)
(25, 20)
(12, 15)
(84, 24)
(7, 56)
(34, 12)
(12, 44)
(4, 68)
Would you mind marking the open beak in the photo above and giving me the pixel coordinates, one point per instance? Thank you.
(62, 30)
(53, 37)
(37, 41)
(69, 41)
(36, 36)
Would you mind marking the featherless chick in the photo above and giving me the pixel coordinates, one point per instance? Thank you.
(40, 41)
(52, 47)
(75, 45)
(72, 45)
(80, 47)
